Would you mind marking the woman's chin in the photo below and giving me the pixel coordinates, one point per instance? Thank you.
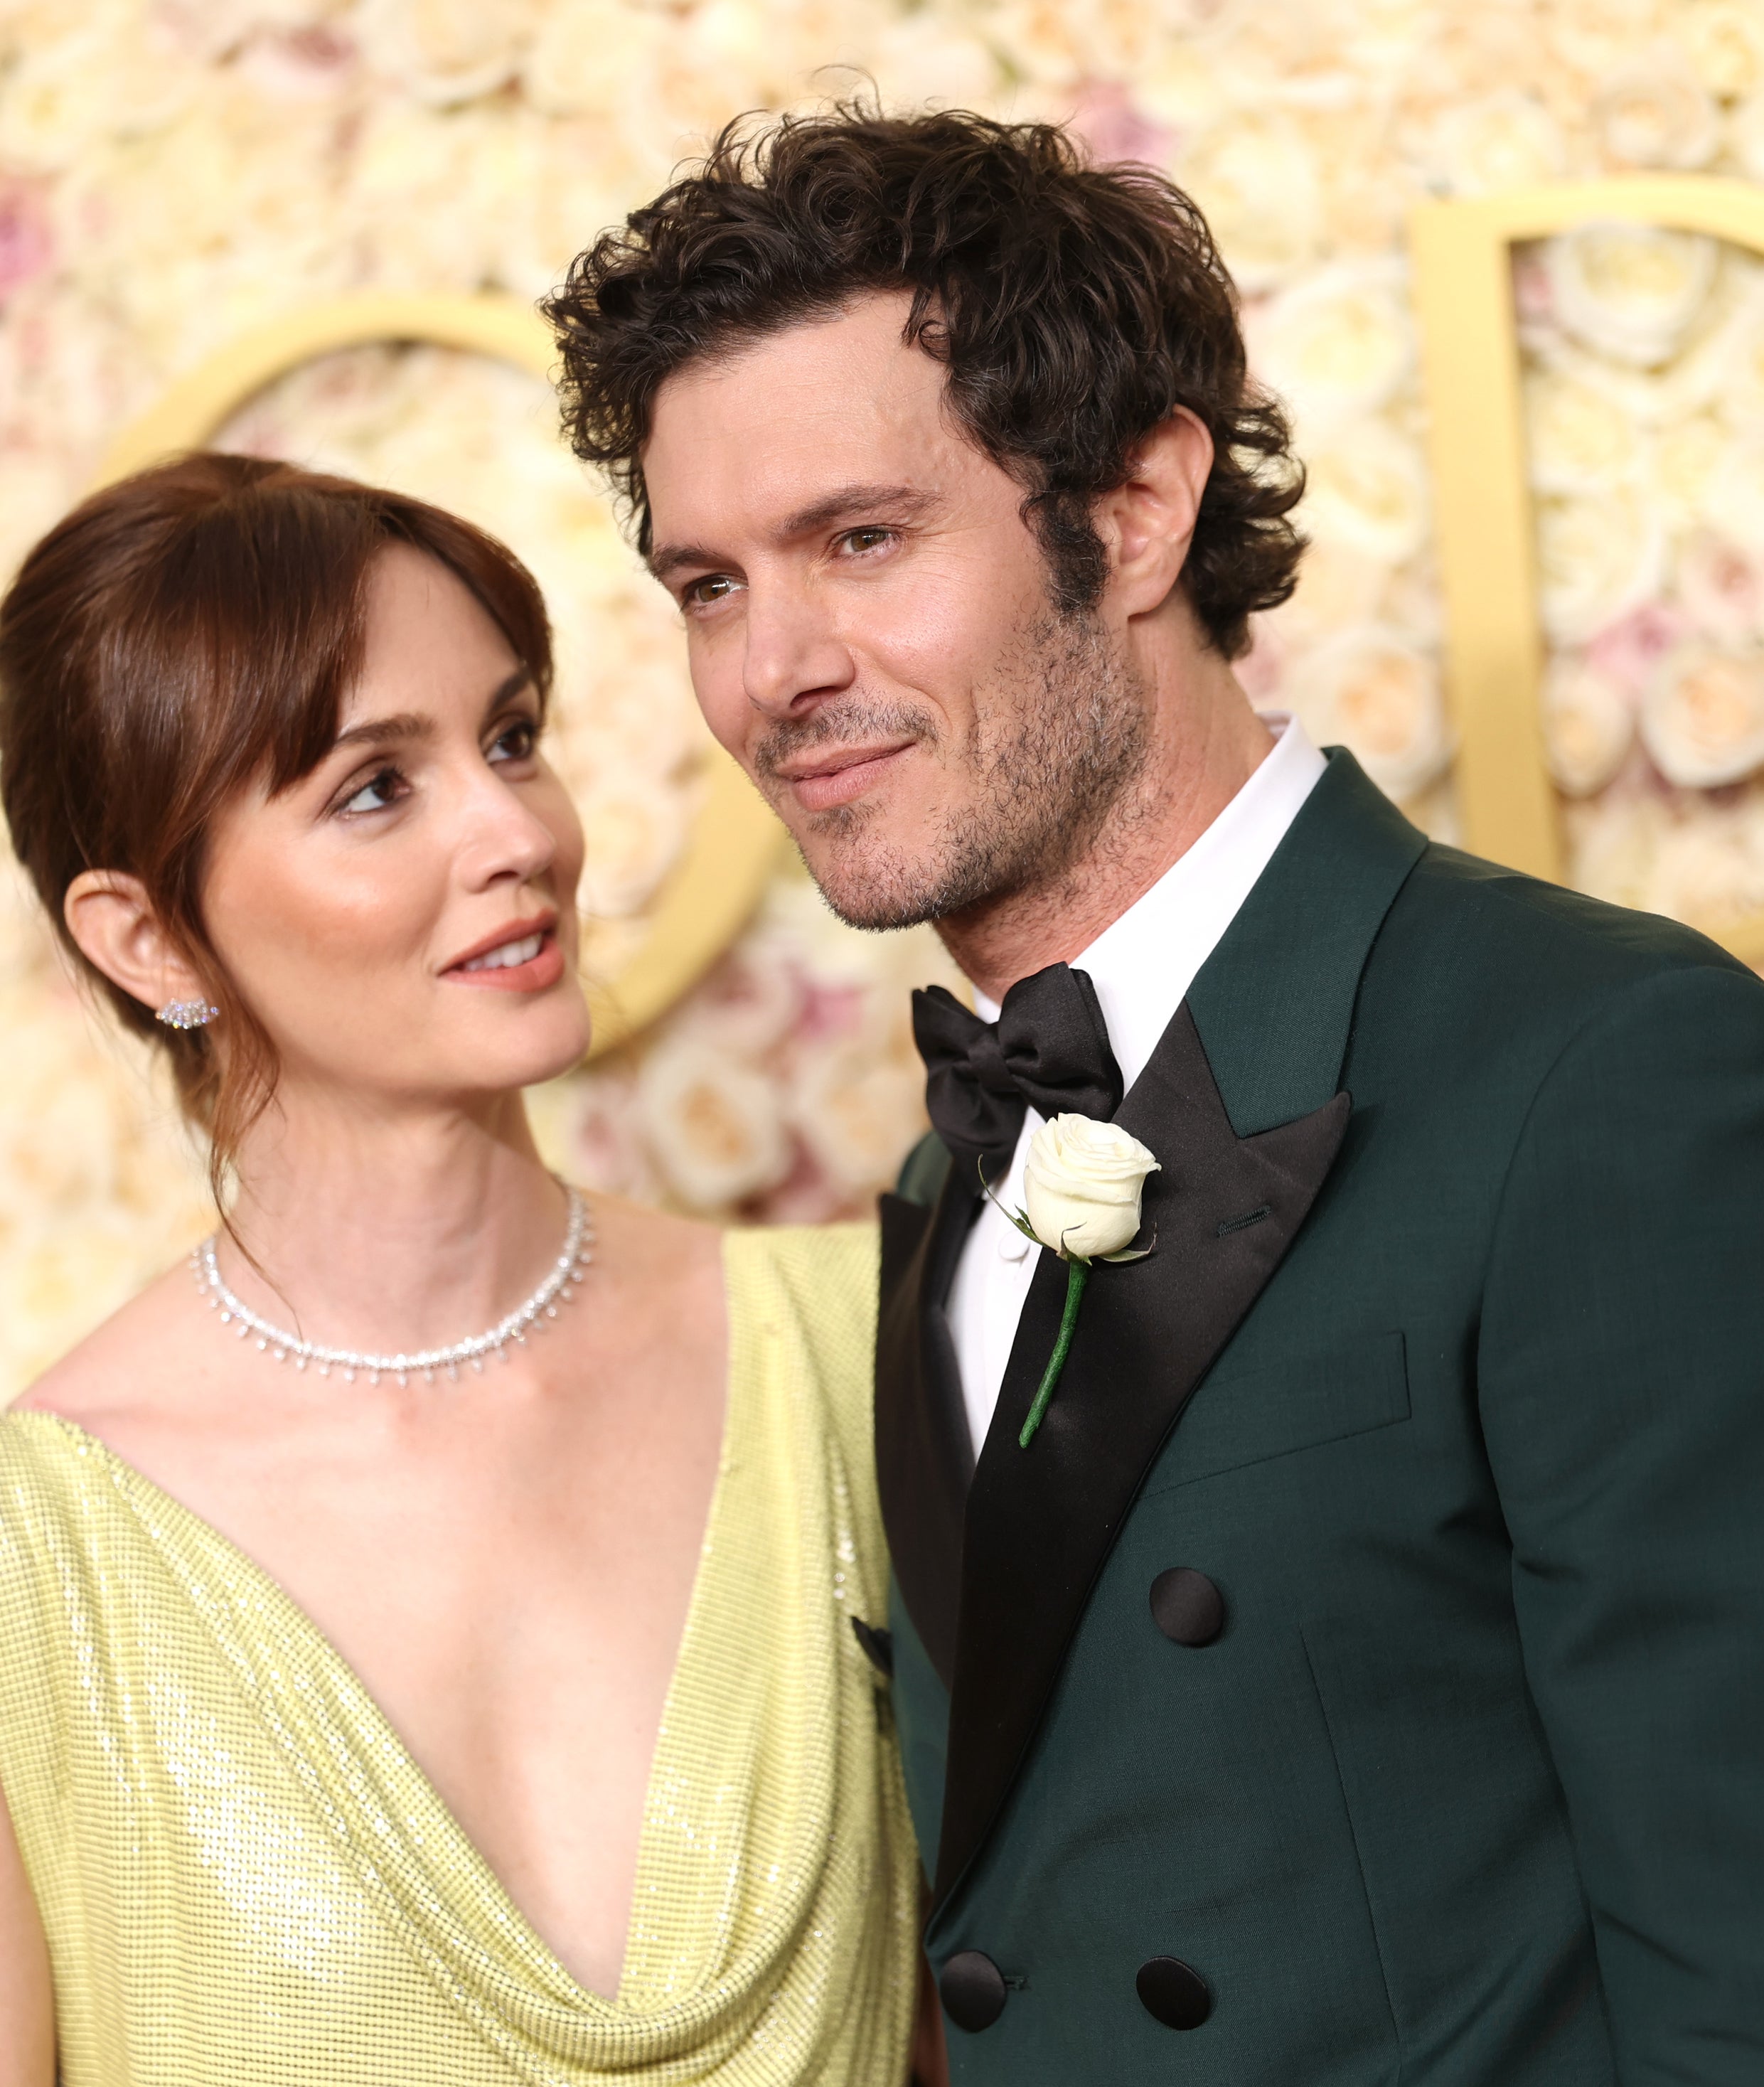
(550, 1038)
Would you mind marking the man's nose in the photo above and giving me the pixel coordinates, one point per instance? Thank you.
(793, 656)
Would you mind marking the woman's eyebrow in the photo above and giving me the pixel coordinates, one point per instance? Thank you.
(400, 724)
(413, 725)
(510, 686)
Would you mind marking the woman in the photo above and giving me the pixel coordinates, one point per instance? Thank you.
(389, 1694)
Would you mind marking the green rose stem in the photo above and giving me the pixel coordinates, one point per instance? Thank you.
(1077, 1275)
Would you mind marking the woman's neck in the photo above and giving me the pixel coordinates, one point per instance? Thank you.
(390, 1228)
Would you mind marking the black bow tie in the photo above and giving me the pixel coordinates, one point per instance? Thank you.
(1048, 1050)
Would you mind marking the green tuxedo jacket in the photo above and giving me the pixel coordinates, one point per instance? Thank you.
(1445, 1388)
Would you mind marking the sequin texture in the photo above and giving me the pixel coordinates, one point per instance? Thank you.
(244, 1877)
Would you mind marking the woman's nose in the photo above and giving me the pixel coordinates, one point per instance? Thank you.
(508, 840)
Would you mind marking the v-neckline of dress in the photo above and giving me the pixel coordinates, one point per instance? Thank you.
(561, 1987)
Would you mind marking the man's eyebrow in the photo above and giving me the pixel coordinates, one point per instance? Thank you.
(904, 501)
(843, 502)
(413, 725)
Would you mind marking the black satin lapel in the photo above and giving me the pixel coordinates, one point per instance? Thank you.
(924, 1457)
(1040, 1521)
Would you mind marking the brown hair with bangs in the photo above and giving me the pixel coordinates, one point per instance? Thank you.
(179, 636)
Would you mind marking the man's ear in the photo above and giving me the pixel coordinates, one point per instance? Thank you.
(118, 932)
(1147, 522)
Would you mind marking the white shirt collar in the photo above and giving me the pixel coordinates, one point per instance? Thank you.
(1142, 964)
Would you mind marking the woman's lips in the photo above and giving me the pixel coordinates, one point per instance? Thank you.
(535, 975)
(828, 787)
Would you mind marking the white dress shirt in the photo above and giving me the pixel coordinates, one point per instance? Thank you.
(1142, 966)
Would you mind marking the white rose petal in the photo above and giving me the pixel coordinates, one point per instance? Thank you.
(1376, 693)
(1724, 40)
(1737, 354)
(1598, 558)
(1708, 866)
(1746, 137)
(1578, 438)
(1504, 140)
(633, 836)
(927, 59)
(1613, 839)
(592, 57)
(1337, 588)
(1734, 504)
(1702, 717)
(1366, 489)
(1687, 458)
(1632, 292)
(1588, 726)
(716, 1128)
(1256, 179)
(1720, 586)
(1655, 112)
(446, 50)
(1082, 1182)
(857, 1115)
(1338, 345)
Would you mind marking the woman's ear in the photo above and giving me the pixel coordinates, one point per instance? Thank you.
(118, 933)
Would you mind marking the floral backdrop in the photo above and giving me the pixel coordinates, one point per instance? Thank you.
(172, 172)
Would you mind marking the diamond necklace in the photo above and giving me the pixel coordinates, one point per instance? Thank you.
(537, 1312)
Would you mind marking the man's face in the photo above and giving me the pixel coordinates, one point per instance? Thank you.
(869, 624)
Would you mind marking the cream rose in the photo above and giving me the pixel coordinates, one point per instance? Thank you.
(1597, 558)
(1339, 345)
(1082, 1182)
(1377, 693)
(1588, 727)
(1256, 178)
(1498, 142)
(1702, 717)
(1632, 292)
(1654, 112)
(1367, 488)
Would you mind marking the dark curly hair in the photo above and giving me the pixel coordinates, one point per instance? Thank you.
(1075, 307)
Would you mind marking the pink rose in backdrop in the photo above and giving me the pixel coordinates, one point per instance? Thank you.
(1115, 129)
(27, 244)
(1627, 651)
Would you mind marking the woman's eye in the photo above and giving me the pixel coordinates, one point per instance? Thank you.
(376, 795)
(516, 743)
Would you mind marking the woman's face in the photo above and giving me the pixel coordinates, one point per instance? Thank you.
(403, 920)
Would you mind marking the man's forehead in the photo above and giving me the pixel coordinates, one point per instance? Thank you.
(786, 424)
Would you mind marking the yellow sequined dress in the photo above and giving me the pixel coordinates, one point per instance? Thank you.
(247, 1882)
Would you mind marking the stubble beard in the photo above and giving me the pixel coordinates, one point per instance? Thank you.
(1046, 769)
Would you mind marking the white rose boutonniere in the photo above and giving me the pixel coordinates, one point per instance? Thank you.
(1083, 1181)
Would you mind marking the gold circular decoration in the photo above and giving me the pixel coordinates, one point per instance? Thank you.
(735, 843)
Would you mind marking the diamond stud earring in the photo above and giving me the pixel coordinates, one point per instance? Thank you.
(186, 1014)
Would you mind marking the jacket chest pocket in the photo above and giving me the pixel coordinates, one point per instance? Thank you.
(1241, 1417)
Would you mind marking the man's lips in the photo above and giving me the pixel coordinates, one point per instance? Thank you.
(820, 782)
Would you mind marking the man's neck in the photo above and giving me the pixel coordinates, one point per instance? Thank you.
(1195, 772)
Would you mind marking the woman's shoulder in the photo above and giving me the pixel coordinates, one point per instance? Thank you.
(822, 1278)
(805, 1296)
(137, 1359)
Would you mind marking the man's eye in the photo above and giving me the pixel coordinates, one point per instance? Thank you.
(867, 539)
(385, 788)
(516, 743)
(714, 587)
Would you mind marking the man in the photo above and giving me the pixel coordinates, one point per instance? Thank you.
(1360, 1676)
